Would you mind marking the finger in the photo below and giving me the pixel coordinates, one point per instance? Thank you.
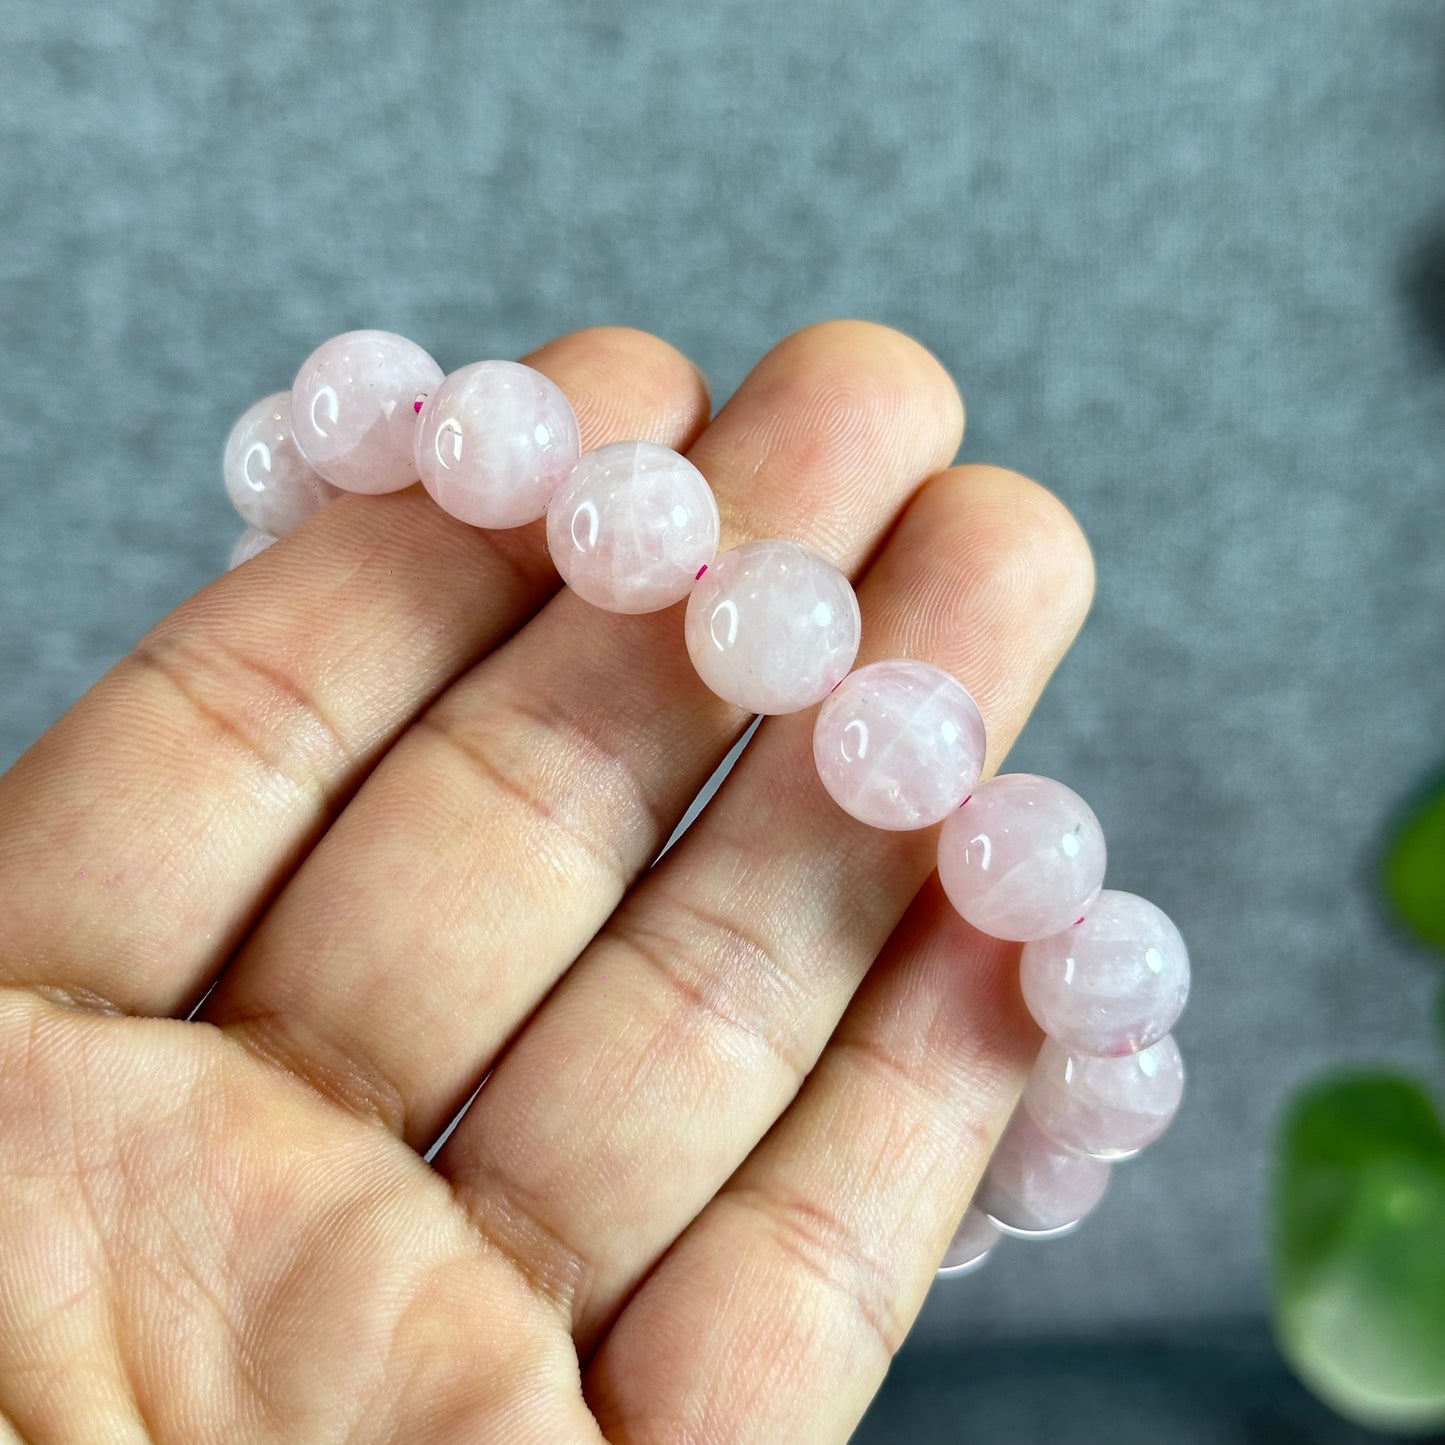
(776, 1314)
(141, 835)
(511, 821)
(679, 1038)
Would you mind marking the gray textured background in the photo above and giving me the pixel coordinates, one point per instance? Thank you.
(1183, 258)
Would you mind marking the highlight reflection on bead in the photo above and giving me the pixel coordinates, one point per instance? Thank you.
(1110, 1108)
(899, 744)
(267, 479)
(1023, 858)
(353, 409)
(493, 442)
(631, 526)
(1114, 983)
(1033, 1187)
(773, 626)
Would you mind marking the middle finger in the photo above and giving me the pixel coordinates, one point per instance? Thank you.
(500, 833)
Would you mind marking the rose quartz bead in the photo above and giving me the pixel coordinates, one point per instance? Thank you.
(1110, 1108)
(1023, 858)
(248, 544)
(353, 409)
(631, 526)
(1112, 985)
(773, 626)
(899, 744)
(493, 442)
(971, 1245)
(266, 476)
(1033, 1187)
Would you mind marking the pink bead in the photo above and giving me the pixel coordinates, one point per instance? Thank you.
(971, 1246)
(899, 744)
(493, 443)
(1023, 858)
(631, 526)
(266, 476)
(248, 544)
(1112, 985)
(1033, 1187)
(1110, 1108)
(773, 626)
(353, 409)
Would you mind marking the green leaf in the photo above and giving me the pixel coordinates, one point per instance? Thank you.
(1415, 868)
(1359, 1251)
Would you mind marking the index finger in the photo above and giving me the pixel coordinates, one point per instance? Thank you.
(142, 836)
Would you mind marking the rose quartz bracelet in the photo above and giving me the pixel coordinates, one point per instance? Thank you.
(774, 627)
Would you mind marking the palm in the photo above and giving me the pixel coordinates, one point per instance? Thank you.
(734, 1106)
(268, 1265)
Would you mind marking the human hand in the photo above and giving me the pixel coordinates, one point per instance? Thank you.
(405, 793)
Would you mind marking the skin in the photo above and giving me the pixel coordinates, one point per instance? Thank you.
(401, 795)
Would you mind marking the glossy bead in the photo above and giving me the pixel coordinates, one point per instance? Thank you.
(494, 441)
(1033, 1187)
(971, 1246)
(1110, 1108)
(773, 626)
(248, 544)
(1114, 983)
(899, 744)
(267, 478)
(1023, 858)
(631, 526)
(353, 409)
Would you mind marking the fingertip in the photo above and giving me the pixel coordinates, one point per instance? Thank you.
(1017, 548)
(627, 384)
(1047, 530)
(881, 361)
(988, 574)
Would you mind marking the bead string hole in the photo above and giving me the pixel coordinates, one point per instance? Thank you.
(700, 571)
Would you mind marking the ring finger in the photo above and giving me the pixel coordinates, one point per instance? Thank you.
(685, 1030)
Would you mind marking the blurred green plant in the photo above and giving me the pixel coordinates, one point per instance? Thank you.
(1359, 1223)
(1415, 868)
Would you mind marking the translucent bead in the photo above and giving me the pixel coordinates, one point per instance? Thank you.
(1110, 1108)
(1035, 1188)
(248, 544)
(266, 476)
(773, 626)
(353, 409)
(494, 441)
(1023, 858)
(899, 744)
(1113, 984)
(971, 1245)
(631, 527)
